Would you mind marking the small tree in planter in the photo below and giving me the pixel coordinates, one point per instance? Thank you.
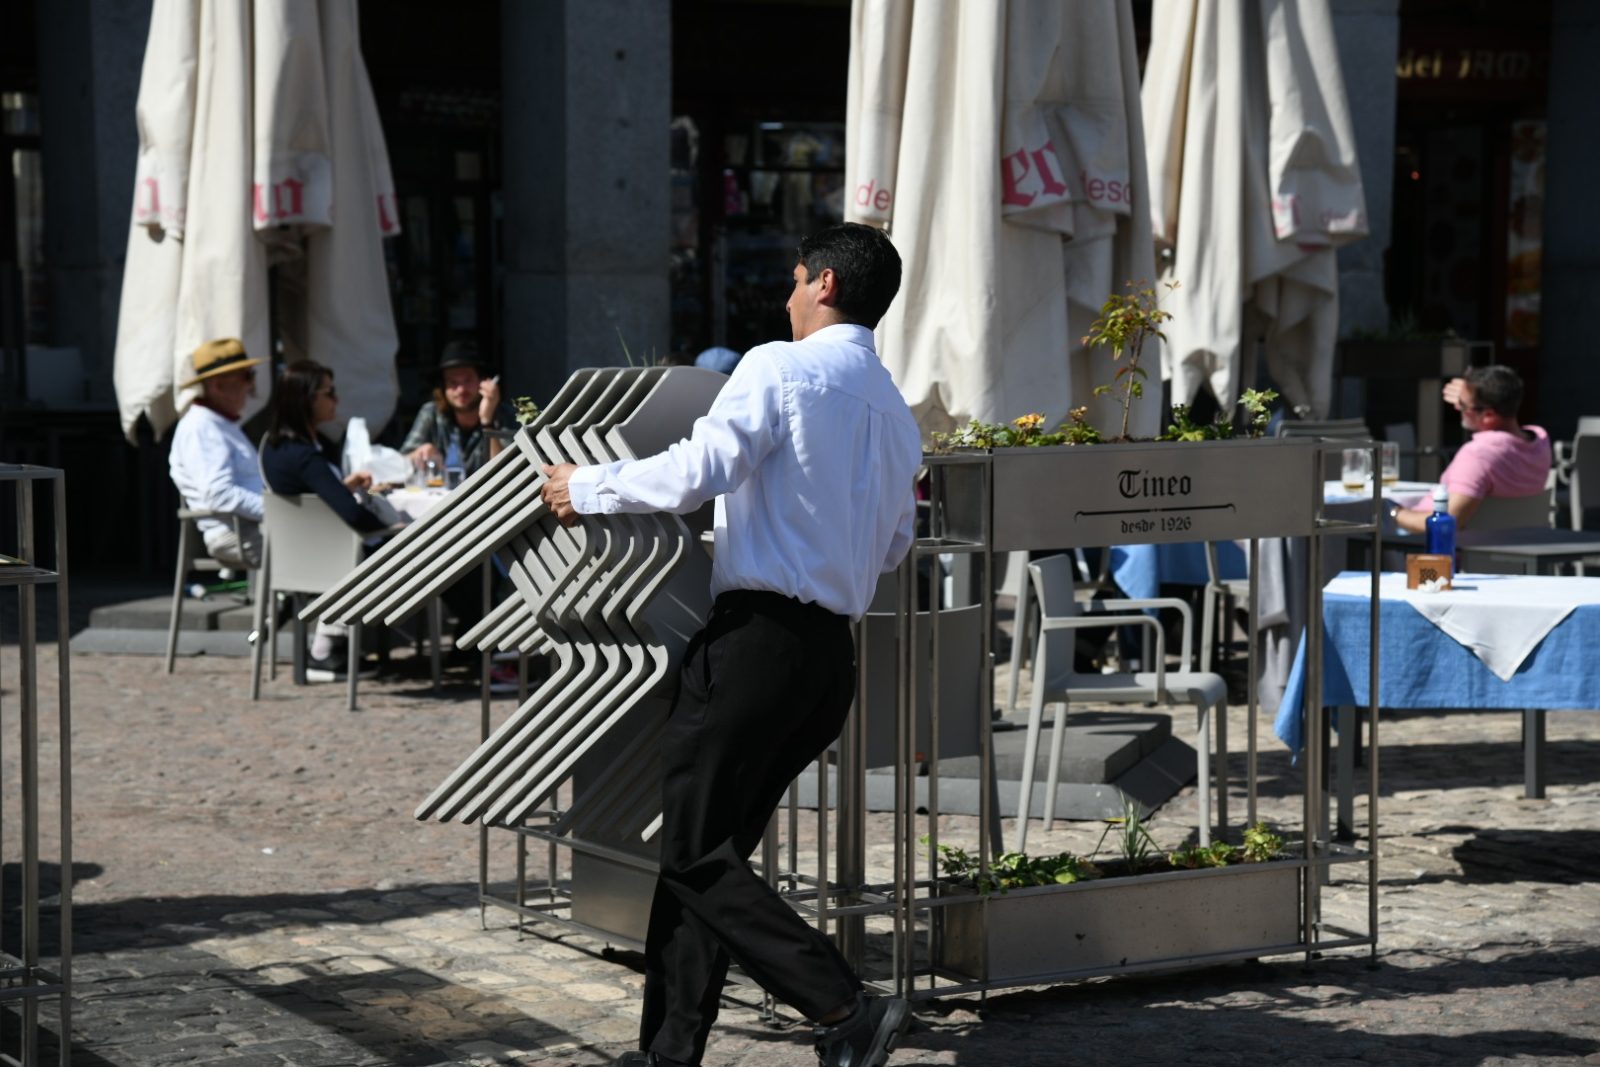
(1126, 321)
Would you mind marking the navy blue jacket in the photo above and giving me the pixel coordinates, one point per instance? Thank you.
(296, 467)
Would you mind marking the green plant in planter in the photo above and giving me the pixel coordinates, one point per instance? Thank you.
(1255, 403)
(1261, 844)
(1013, 870)
(1216, 854)
(1126, 321)
(1133, 840)
(1025, 431)
(526, 409)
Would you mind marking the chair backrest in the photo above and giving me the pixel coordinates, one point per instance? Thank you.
(1589, 424)
(1585, 471)
(1055, 586)
(311, 548)
(1351, 429)
(1511, 512)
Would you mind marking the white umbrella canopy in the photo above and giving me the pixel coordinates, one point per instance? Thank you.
(1007, 180)
(255, 122)
(1254, 184)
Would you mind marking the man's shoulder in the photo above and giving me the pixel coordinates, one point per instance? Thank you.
(199, 423)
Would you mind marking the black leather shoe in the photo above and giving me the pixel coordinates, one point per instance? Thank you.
(867, 1037)
(649, 1059)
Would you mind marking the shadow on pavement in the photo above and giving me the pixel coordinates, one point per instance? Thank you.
(1436, 766)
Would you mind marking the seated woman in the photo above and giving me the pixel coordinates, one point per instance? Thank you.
(296, 459)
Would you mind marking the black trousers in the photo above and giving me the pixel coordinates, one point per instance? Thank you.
(763, 689)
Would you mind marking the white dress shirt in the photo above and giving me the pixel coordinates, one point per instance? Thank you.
(812, 455)
(214, 466)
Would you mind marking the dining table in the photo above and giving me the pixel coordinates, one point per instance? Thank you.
(1492, 642)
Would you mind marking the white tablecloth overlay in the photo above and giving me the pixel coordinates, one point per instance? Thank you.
(415, 502)
(1407, 494)
(1499, 618)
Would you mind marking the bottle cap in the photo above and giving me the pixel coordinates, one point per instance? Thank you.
(1441, 495)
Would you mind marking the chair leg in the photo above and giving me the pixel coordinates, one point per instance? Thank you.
(1057, 742)
(263, 613)
(1208, 626)
(1222, 770)
(354, 645)
(1019, 638)
(1203, 771)
(1030, 754)
(435, 628)
(184, 549)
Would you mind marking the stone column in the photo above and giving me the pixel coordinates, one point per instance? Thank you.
(90, 54)
(587, 104)
(1369, 42)
(1569, 385)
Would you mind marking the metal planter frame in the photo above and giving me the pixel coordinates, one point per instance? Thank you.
(23, 978)
(987, 502)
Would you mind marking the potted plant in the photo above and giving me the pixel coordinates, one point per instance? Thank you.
(1125, 491)
(1023, 919)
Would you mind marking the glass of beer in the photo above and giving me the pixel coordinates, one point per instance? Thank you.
(1356, 468)
(1390, 458)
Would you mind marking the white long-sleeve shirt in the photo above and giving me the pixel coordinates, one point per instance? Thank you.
(811, 453)
(214, 466)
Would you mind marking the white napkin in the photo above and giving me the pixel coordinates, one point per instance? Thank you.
(1499, 618)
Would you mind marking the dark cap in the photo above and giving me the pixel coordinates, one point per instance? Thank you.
(463, 353)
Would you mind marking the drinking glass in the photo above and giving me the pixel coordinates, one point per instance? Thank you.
(1356, 468)
(434, 474)
(1391, 462)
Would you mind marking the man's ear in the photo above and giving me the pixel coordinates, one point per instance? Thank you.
(827, 287)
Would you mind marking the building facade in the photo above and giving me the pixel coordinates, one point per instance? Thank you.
(586, 182)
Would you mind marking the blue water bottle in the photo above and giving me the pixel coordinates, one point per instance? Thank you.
(454, 473)
(1441, 526)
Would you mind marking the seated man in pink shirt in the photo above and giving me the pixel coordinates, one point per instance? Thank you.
(1503, 458)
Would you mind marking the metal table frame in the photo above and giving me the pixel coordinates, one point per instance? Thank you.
(23, 979)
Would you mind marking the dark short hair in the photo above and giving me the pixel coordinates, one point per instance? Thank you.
(864, 261)
(292, 398)
(1497, 388)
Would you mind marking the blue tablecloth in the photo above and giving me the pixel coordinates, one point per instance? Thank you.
(1139, 570)
(1420, 666)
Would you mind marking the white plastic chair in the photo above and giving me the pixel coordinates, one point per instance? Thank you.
(192, 557)
(306, 548)
(1054, 680)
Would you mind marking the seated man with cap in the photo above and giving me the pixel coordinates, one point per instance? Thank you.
(213, 463)
(465, 403)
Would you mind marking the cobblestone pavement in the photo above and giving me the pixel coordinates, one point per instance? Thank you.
(252, 890)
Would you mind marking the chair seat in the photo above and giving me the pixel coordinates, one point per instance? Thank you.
(1188, 687)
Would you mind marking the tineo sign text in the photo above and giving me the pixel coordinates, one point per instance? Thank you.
(1137, 484)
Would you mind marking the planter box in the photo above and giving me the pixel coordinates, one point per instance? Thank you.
(1147, 492)
(1174, 917)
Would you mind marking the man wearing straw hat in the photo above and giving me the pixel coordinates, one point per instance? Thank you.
(811, 454)
(213, 463)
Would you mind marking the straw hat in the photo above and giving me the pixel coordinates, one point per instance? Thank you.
(223, 356)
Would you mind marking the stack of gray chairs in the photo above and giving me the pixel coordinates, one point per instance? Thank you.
(614, 601)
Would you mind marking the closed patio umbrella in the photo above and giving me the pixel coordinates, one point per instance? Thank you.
(257, 131)
(1254, 184)
(1005, 163)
